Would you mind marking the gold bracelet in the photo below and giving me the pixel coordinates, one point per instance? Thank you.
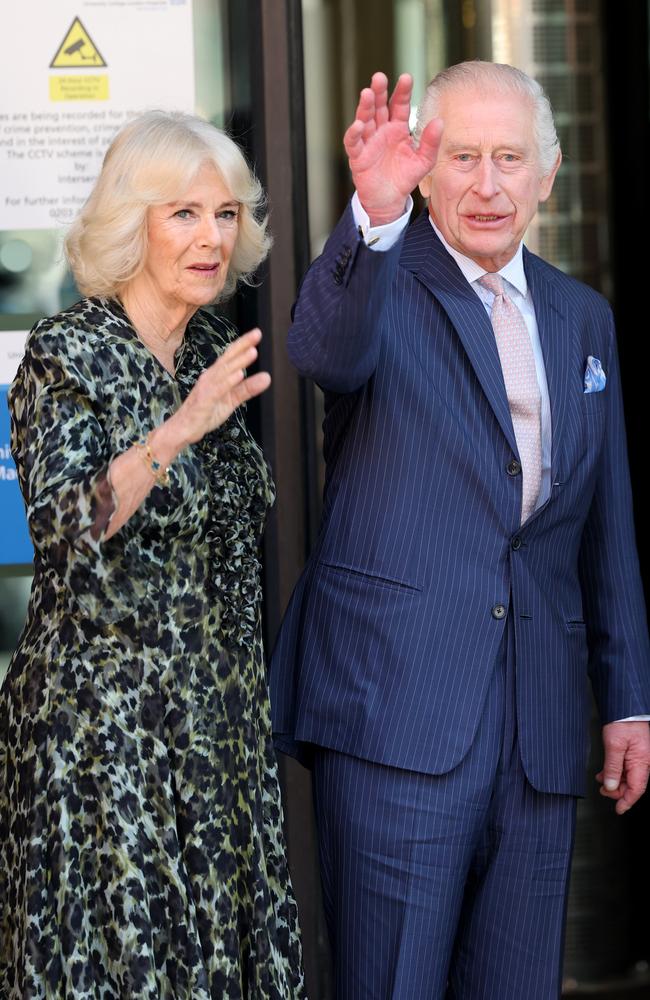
(159, 472)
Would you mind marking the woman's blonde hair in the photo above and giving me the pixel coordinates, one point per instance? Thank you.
(152, 161)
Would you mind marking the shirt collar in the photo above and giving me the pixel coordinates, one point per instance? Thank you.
(513, 271)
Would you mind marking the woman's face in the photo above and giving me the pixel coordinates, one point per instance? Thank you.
(191, 242)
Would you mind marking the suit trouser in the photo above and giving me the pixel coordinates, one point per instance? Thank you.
(451, 885)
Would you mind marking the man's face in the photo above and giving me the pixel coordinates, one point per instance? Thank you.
(486, 184)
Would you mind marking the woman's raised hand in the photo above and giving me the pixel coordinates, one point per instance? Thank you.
(221, 388)
(218, 391)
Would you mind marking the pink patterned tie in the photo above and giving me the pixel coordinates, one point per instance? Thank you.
(522, 388)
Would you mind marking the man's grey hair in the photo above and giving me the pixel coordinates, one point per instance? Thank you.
(495, 78)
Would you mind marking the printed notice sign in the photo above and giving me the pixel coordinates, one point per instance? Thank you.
(85, 68)
(15, 546)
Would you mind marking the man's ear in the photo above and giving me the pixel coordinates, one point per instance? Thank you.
(546, 185)
(425, 186)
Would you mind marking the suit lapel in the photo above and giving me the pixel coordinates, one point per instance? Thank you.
(425, 256)
(553, 323)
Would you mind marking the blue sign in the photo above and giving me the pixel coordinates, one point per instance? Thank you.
(15, 546)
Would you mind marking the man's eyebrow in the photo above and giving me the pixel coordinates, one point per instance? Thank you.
(468, 147)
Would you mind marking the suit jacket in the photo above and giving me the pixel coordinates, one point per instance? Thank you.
(394, 628)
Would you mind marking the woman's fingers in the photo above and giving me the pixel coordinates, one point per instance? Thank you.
(224, 386)
(231, 391)
(239, 354)
(241, 346)
(254, 385)
(226, 382)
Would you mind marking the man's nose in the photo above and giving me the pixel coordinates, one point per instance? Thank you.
(486, 181)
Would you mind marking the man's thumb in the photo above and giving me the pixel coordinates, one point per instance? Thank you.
(613, 768)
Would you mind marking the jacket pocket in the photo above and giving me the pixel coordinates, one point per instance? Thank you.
(390, 582)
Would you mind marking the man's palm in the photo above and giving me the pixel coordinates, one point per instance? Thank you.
(384, 161)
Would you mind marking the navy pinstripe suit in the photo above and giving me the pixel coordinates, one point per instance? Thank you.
(387, 652)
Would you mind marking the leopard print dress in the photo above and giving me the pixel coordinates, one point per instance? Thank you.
(141, 848)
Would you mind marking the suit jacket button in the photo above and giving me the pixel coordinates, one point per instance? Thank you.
(513, 468)
(516, 542)
(498, 612)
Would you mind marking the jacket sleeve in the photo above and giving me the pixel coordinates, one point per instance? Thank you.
(617, 634)
(335, 336)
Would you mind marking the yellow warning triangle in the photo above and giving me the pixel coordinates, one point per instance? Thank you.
(77, 50)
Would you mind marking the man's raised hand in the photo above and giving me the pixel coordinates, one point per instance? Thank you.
(385, 163)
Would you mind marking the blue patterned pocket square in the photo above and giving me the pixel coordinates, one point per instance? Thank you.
(595, 377)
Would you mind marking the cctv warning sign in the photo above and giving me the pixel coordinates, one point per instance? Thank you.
(77, 50)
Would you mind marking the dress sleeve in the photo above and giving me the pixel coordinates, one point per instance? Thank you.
(63, 455)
